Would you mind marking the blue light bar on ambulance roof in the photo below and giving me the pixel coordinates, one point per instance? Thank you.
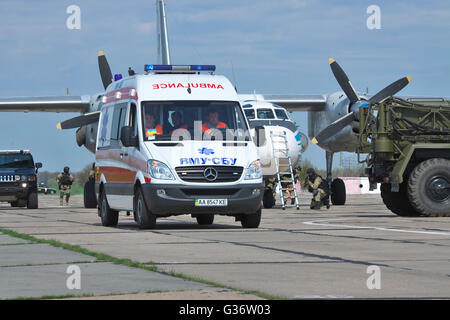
(178, 68)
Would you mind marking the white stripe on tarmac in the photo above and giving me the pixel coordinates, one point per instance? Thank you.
(321, 223)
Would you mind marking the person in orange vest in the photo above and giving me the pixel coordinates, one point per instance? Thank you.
(151, 128)
(176, 121)
(212, 122)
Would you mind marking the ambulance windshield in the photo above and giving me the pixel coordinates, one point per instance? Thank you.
(193, 120)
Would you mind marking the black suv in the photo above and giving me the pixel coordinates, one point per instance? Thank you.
(18, 178)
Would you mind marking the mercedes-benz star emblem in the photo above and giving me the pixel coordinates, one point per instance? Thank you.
(210, 174)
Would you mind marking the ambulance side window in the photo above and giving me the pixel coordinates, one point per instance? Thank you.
(120, 111)
(132, 119)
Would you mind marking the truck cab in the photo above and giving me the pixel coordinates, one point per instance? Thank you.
(174, 142)
(18, 178)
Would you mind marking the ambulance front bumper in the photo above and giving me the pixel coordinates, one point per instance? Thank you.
(165, 200)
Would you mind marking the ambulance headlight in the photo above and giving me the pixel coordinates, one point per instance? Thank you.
(159, 170)
(254, 171)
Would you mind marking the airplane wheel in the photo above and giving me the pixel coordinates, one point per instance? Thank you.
(338, 193)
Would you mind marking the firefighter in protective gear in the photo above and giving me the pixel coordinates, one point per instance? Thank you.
(65, 180)
(317, 186)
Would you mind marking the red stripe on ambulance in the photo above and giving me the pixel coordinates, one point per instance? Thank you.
(173, 85)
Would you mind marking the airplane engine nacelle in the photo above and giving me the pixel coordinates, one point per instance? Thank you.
(87, 136)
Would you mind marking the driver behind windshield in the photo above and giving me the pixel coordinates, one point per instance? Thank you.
(212, 122)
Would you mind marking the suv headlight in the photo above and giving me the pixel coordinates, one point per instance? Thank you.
(159, 170)
(254, 171)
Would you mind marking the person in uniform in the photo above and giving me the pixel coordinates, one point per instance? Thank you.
(65, 180)
(212, 122)
(317, 186)
(177, 122)
(151, 128)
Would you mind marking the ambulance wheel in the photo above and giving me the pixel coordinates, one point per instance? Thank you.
(144, 217)
(338, 193)
(109, 217)
(90, 200)
(205, 219)
(251, 220)
(32, 202)
(268, 199)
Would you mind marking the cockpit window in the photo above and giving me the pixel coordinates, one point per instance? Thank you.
(265, 114)
(281, 114)
(250, 113)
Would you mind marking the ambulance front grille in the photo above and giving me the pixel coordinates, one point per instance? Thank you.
(196, 173)
(9, 178)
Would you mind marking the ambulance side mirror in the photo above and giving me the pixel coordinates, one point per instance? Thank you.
(127, 138)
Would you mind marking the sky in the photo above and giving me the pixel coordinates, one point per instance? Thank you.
(267, 47)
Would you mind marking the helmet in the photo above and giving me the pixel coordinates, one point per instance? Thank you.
(66, 169)
(310, 172)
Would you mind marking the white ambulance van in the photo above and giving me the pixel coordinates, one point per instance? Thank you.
(175, 141)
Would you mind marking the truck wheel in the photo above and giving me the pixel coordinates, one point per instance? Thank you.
(338, 193)
(90, 200)
(109, 217)
(397, 202)
(205, 219)
(144, 217)
(429, 187)
(251, 220)
(32, 202)
(268, 199)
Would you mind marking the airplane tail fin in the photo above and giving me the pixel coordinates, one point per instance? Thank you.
(163, 37)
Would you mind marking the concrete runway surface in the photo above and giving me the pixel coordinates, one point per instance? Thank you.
(359, 250)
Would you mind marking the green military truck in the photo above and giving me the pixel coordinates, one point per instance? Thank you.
(408, 147)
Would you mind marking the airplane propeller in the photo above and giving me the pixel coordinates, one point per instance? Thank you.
(105, 70)
(355, 101)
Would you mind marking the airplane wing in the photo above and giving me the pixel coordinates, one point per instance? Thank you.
(46, 104)
(291, 103)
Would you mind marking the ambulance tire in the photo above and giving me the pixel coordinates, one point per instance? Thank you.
(144, 217)
(90, 200)
(205, 219)
(109, 217)
(32, 202)
(268, 199)
(251, 221)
